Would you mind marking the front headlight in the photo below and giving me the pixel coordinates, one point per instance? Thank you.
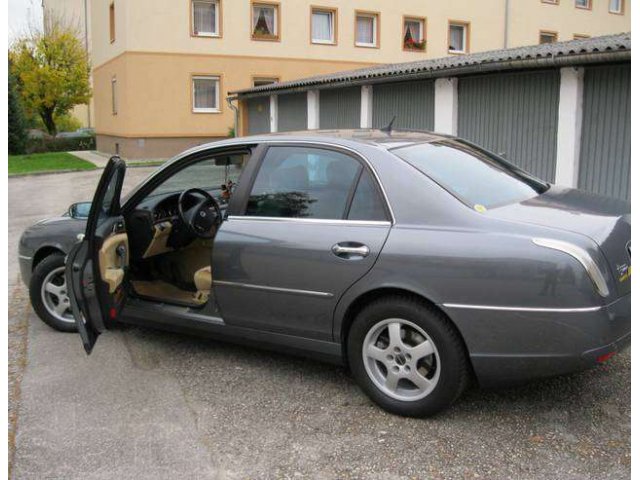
(594, 272)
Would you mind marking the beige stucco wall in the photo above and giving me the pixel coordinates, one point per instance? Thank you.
(164, 26)
(529, 17)
(154, 90)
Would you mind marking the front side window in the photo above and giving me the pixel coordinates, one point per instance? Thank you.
(264, 21)
(616, 6)
(583, 4)
(205, 22)
(209, 174)
(323, 26)
(478, 178)
(414, 36)
(458, 37)
(205, 94)
(302, 182)
(366, 30)
(548, 37)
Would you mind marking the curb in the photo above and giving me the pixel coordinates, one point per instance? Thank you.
(56, 172)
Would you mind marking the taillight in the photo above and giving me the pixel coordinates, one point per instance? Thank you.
(605, 357)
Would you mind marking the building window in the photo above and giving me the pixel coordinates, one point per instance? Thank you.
(458, 37)
(616, 6)
(264, 21)
(580, 36)
(259, 81)
(413, 38)
(548, 37)
(205, 21)
(323, 26)
(586, 4)
(114, 96)
(552, 2)
(112, 23)
(366, 29)
(205, 94)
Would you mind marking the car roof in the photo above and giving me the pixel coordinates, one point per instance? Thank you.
(347, 137)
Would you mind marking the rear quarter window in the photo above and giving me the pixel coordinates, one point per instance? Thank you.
(476, 177)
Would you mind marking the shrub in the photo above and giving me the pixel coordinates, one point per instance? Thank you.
(65, 144)
(17, 124)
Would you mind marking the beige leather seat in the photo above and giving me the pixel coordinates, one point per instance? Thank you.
(202, 278)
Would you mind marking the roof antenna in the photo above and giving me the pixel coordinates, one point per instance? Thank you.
(387, 129)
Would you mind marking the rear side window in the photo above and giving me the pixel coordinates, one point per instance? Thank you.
(367, 203)
(308, 182)
(476, 177)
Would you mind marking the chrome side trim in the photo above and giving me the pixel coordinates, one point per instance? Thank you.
(265, 288)
(24, 257)
(521, 309)
(369, 223)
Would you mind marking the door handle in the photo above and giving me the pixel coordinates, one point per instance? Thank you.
(350, 250)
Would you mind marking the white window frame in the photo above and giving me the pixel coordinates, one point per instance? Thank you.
(620, 7)
(374, 18)
(332, 13)
(465, 32)
(195, 109)
(586, 7)
(215, 34)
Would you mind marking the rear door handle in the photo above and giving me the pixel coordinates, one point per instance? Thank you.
(350, 250)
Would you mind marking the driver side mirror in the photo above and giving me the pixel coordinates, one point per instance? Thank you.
(79, 210)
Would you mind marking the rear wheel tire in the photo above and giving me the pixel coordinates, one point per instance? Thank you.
(49, 295)
(407, 357)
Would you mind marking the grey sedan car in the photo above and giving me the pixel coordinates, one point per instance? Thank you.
(420, 261)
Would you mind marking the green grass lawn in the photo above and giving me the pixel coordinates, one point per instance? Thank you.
(46, 162)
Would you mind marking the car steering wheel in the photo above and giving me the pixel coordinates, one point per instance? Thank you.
(202, 218)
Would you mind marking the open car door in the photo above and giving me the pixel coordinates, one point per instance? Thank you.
(97, 266)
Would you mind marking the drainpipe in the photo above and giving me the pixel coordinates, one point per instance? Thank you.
(86, 48)
(235, 114)
(506, 23)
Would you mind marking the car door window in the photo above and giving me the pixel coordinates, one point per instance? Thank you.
(367, 203)
(208, 174)
(303, 182)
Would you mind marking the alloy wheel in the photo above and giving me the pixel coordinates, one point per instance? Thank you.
(55, 296)
(401, 359)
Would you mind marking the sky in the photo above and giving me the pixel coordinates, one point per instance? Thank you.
(23, 13)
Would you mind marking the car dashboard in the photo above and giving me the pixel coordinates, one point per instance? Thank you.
(155, 226)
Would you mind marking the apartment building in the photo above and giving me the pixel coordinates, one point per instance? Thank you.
(162, 68)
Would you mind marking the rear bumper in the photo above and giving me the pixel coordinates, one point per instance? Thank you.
(508, 348)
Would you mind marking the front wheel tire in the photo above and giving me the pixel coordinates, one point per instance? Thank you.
(407, 357)
(49, 295)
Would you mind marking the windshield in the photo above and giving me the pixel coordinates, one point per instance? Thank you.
(478, 178)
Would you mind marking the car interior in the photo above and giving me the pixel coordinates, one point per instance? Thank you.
(170, 232)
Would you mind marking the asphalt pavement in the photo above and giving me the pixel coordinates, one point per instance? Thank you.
(152, 404)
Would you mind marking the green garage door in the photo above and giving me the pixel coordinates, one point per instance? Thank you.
(292, 112)
(515, 115)
(258, 113)
(340, 108)
(605, 150)
(410, 102)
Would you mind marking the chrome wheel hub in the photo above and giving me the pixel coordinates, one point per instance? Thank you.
(55, 296)
(401, 359)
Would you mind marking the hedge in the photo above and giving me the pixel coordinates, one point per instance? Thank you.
(65, 144)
